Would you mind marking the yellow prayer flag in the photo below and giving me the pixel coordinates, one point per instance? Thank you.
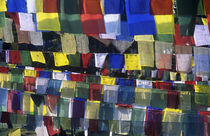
(149, 38)
(39, 6)
(68, 43)
(3, 7)
(48, 21)
(30, 73)
(164, 24)
(31, 106)
(16, 132)
(26, 103)
(205, 21)
(146, 52)
(44, 110)
(132, 62)
(12, 66)
(92, 109)
(60, 59)
(37, 56)
(173, 76)
(183, 76)
(202, 89)
(172, 115)
(108, 80)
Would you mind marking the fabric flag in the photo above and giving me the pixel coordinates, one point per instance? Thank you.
(159, 98)
(74, 60)
(142, 96)
(16, 6)
(171, 123)
(29, 84)
(70, 6)
(138, 118)
(182, 40)
(51, 6)
(54, 87)
(146, 52)
(201, 35)
(122, 113)
(3, 6)
(91, 7)
(93, 23)
(41, 85)
(2, 22)
(173, 99)
(95, 92)
(68, 44)
(108, 80)
(86, 58)
(100, 59)
(106, 111)
(82, 90)
(39, 6)
(60, 75)
(92, 110)
(126, 95)
(22, 35)
(143, 83)
(153, 121)
(70, 23)
(37, 56)
(26, 22)
(183, 53)
(187, 25)
(35, 38)
(113, 7)
(164, 53)
(112, 24)
(124, 36)
(159, 7)
(164, 24)
(148, 38)
(68, 89)
(110, 93)
(31, 6)
(93, 79)
(63, 107)
(4, 96)
(60, 59)
(44, 19)
(14, 57)
(125, 82)
(7, 31)
(30, 73)
(116, 61)
(201, 60)
(132, 62)
(207, 6)
(82, 43)
(186, 7)
(138, 14)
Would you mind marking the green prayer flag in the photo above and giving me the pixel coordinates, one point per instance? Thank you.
(164, 38)
(74, 60)
(159, 98)
(2, 19)
(25, 58)
(82, 90)
(70, 23)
